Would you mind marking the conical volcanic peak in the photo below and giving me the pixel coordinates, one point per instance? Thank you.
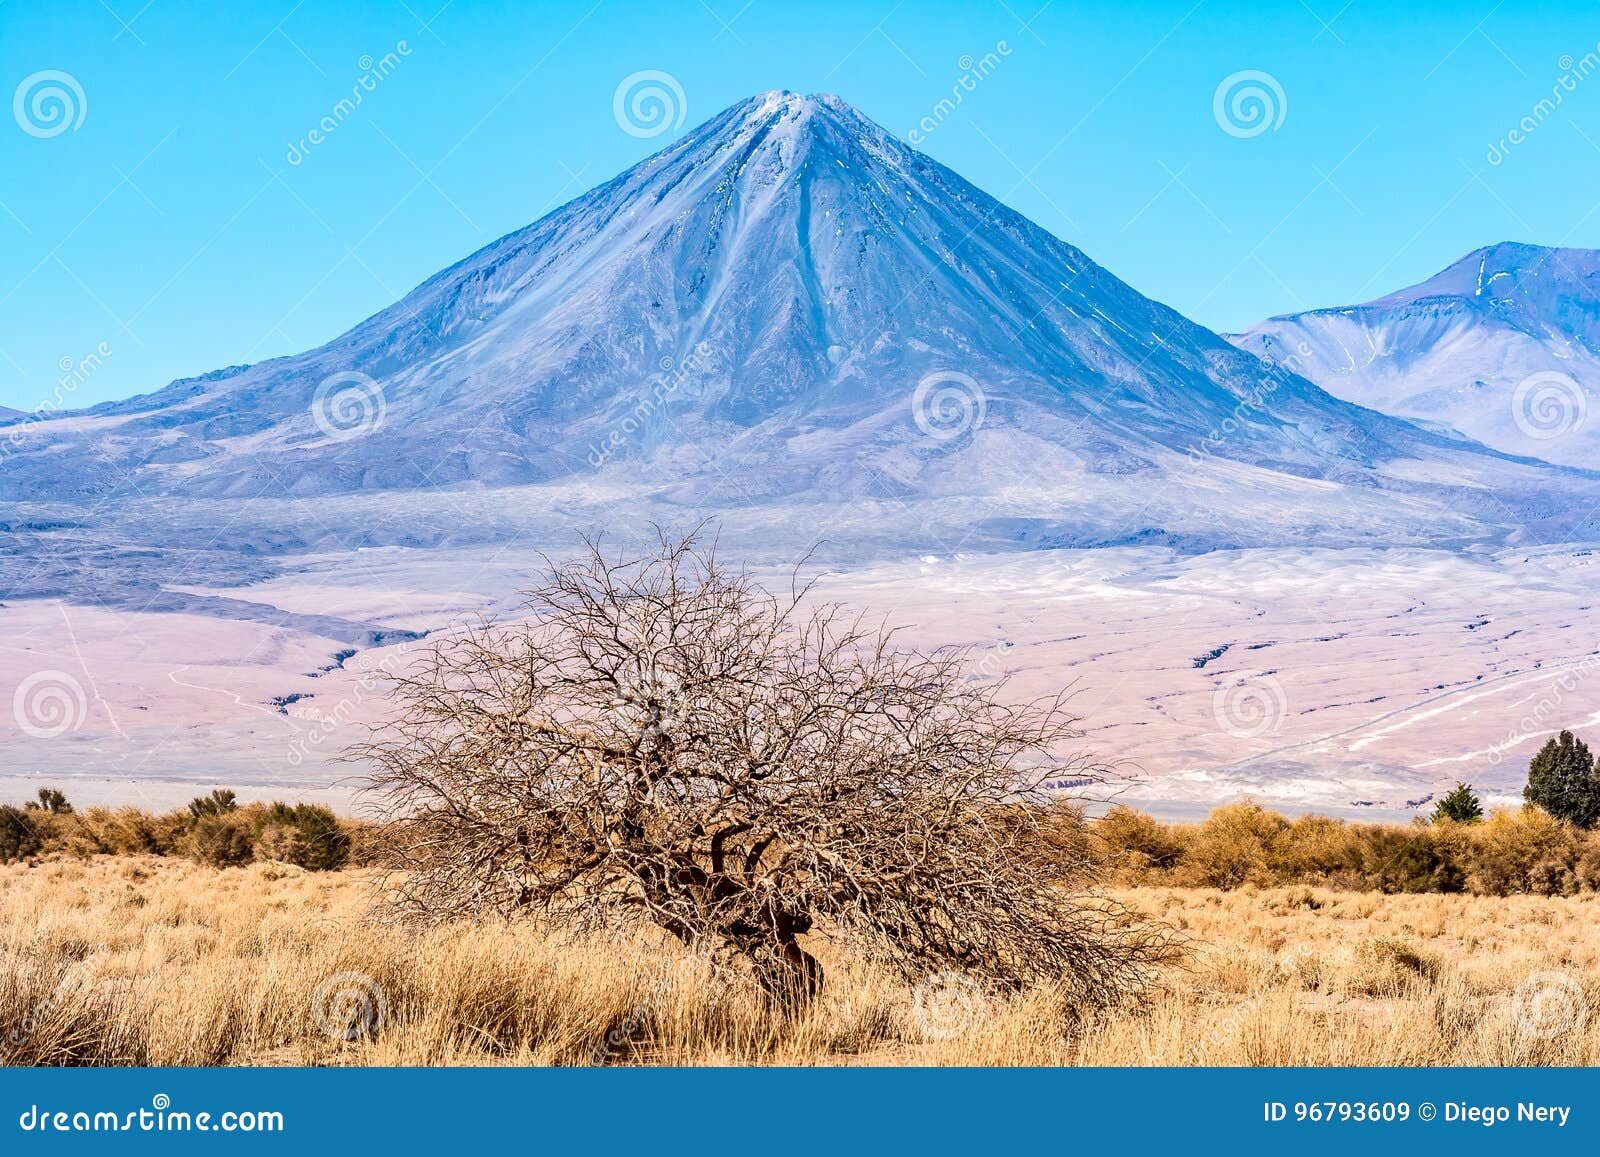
(787, 303)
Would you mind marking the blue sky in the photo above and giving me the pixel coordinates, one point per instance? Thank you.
(168, 231)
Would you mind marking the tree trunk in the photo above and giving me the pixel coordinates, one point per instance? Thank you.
(789, 975)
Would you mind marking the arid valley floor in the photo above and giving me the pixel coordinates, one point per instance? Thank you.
(1356, 682)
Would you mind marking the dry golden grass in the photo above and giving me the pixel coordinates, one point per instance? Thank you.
(125, 960)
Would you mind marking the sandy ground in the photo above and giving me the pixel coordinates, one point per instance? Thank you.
(1352, 681)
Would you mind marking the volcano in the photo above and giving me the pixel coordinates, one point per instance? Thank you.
(787, 311)
(792, 323)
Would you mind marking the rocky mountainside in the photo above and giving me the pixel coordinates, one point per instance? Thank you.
(1503, 346)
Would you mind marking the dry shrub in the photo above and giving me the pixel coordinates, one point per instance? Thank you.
(167, 962)
(1395, 858)
(223, 841)
(1243, 845)
(280, 843)
(1388, 966)
(19, 835)
(1236, 845)
(1525, 851)
(1313, 848)
(1135, 846)
(133, 831)
(212, 830)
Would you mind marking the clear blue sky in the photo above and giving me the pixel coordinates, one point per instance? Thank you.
(170, 225)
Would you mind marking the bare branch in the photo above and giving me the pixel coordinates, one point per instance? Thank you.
(663, 740)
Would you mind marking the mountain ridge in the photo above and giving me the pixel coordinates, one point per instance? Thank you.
(1502, 345)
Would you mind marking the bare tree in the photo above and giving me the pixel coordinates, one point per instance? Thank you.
(663, 740)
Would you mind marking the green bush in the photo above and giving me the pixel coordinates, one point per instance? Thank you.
(1562, 781)
(1526, 851)
(214, 829)
(219, 801)
(1395, 858)
(1460, 804)
(52, 801)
